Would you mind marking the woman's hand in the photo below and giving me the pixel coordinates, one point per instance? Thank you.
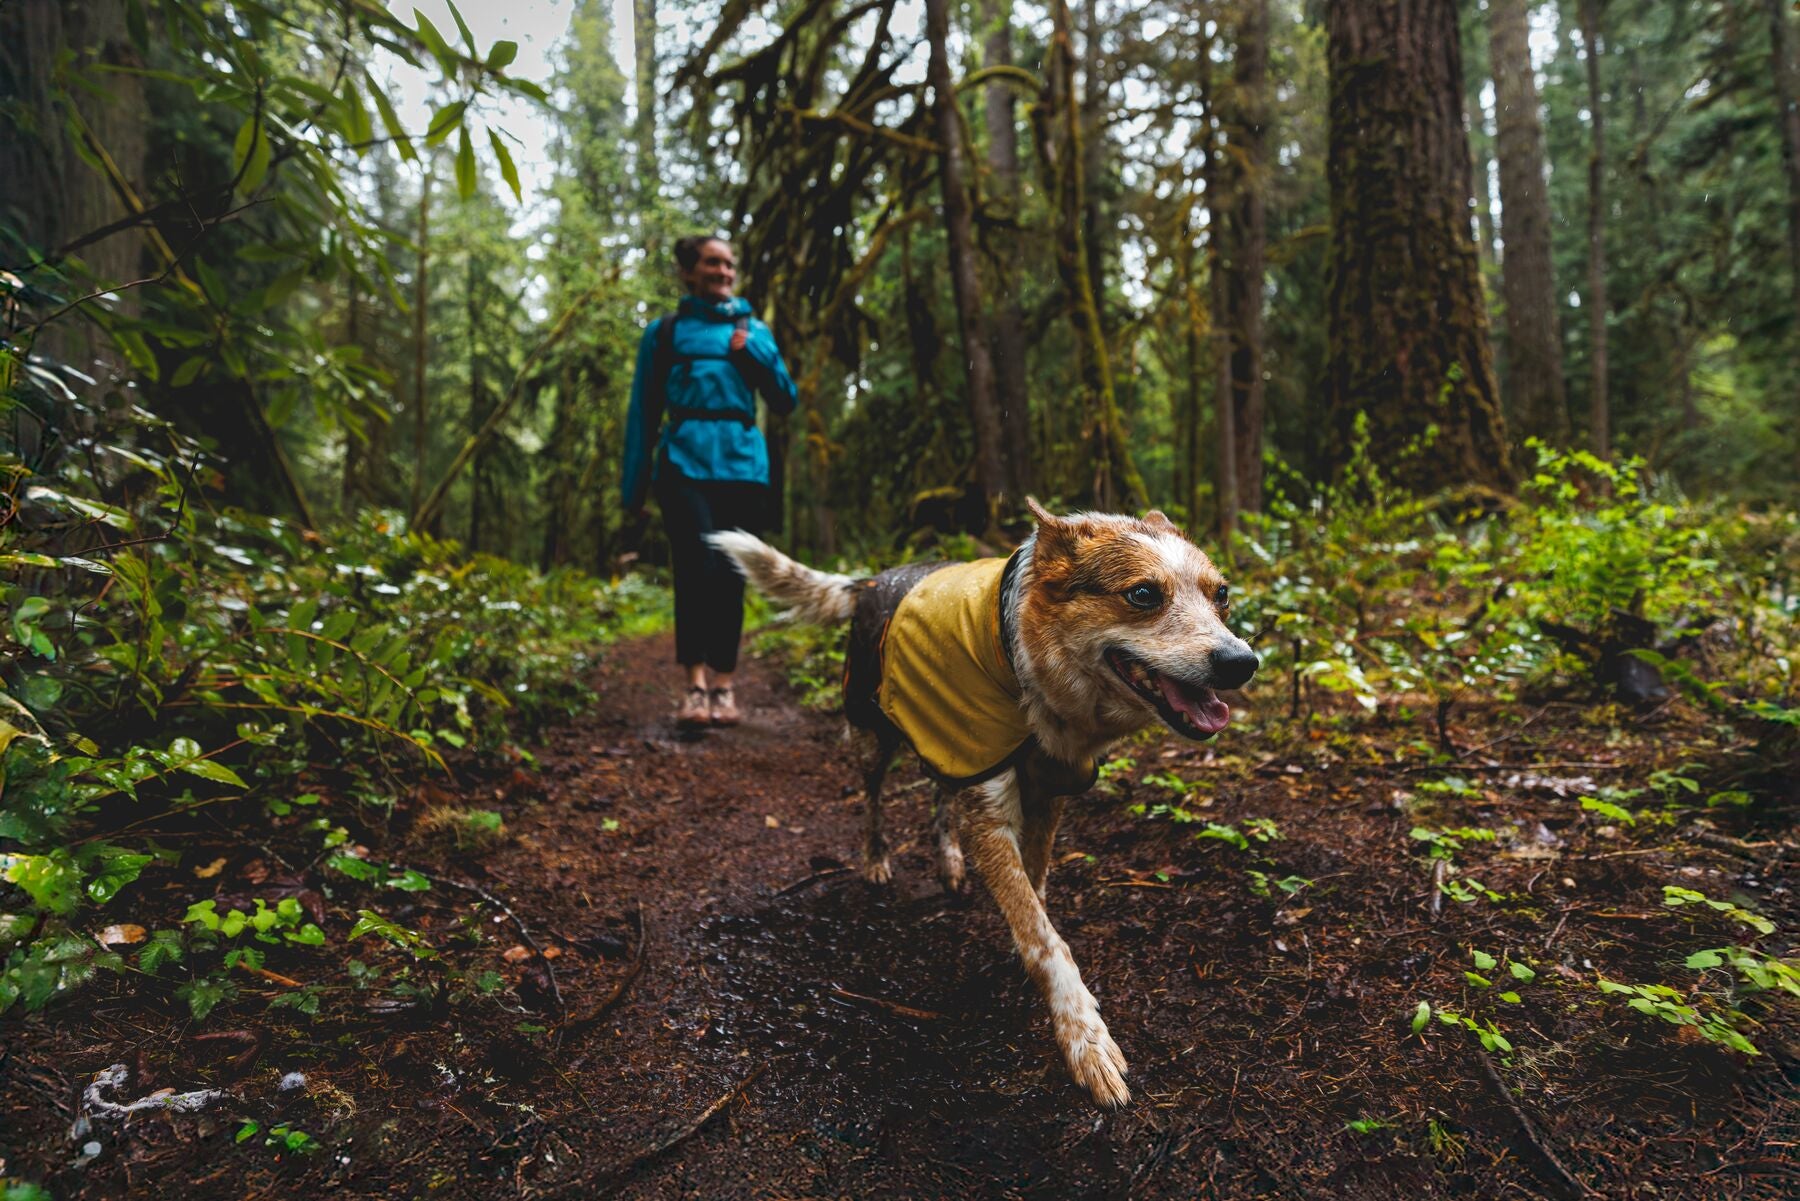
(739, 339)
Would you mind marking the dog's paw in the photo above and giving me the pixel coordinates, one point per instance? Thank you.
(1096, 1062)
(878, 871)
(950, 868)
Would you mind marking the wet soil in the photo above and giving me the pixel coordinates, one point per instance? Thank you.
(728, 1011)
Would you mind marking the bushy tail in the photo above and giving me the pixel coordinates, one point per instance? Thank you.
(819, 597)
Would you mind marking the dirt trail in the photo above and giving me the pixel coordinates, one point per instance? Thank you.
(843, 1041)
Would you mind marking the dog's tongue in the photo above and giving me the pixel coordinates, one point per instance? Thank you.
(1201, 706)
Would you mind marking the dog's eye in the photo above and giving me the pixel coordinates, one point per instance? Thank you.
(1143, 596)
(1222, 597)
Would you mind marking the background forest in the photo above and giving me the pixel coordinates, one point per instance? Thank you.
(1466, 333)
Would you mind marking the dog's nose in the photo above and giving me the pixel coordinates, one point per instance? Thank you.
(1232, 666)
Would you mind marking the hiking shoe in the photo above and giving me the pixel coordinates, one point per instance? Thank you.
(692, 713)
(724, 708)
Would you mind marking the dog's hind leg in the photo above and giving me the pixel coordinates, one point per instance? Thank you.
(945, 821)
(992, 825)
(873, 752)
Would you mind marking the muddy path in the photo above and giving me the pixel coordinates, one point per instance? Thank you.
(742, 1016)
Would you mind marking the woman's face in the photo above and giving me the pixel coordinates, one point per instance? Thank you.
(715, 275)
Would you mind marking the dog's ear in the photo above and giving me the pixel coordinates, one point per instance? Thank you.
(1058, 538)
(1156, 519)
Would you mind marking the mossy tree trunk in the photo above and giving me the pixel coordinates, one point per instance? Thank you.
(1406, 321)
(1533, 348)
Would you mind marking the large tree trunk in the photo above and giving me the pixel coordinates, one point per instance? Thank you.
(47, 192)
(965, 282)
(1788, 107)
(1246, 237)
(1533, 350)
(1008, 320)
(1600, 413)
(643, 33)
(1406, 320)
(1116, 479)
(1093, 156)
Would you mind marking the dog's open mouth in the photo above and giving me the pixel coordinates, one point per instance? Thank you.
(1188, 709)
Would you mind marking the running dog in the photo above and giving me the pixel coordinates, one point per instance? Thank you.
(1009, 677)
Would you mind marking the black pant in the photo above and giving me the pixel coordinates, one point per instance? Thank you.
(709, 593)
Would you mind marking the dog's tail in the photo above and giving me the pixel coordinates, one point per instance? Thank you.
(819, 597)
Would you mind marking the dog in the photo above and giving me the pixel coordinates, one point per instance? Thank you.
(1009, 677)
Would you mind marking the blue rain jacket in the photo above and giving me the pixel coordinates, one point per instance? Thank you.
(703, 377)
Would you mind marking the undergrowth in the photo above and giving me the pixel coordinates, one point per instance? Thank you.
(164, 658)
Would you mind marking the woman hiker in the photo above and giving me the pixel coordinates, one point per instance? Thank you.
(691, 438)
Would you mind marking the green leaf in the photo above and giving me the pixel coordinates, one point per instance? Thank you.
(1703, 959)
(137, 350)
(1511, 997)
(390, 120)
(434, 41)
(1421, 1016)
(188, 372)
(1521, 972)
(1484, 961)
(248, 1130)
(250, 155)
(356, 118)
(218, 773)
(508, 171)
(462, 26)
(444, 121)
(465, 164)
(1478, 981)
(502, 55)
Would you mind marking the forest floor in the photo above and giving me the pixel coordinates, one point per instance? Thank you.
(742, 1016)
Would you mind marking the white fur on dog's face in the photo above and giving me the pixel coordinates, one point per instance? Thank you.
(1123, 623)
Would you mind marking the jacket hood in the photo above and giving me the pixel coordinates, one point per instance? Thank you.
(712, 310)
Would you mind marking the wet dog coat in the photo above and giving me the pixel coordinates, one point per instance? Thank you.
(928, 660)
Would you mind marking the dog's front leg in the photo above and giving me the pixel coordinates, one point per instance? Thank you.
(994, 823)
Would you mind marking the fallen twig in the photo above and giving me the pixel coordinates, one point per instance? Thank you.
(631, 973)
(797, 885)
(1571, 1185)
(562, 1007)
(271, 977)
(905, 1011)
(1440, 872)
(626, 1170)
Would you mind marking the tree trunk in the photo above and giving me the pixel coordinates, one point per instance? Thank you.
(51, 196)
(1406, 320)
(1008, 320)
(1533, 350)
(1213, 168)
(1247, 236)
(965, 283)
(355, 444)
(1093, 156)
(1600, 414)
(1116, 480)
(420, 344)
(477, 413)
(643, 33)
(1787, 106)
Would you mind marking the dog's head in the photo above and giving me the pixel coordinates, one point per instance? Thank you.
(1129, 616)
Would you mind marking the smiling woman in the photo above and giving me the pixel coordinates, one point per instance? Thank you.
(691, 436)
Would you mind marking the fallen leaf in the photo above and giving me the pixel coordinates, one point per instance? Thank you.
(212, 869)
(771, 821)
(552, 952)
(114, 936)
(516, 954)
